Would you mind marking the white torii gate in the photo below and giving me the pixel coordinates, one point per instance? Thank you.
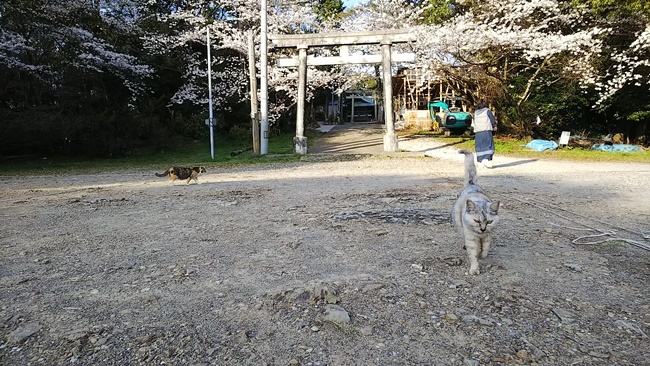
(302, 42)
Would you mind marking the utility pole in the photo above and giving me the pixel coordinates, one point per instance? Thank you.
(264, 84)
(210, 122)
(255, 127)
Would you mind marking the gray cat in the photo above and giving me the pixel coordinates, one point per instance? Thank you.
(475, 215)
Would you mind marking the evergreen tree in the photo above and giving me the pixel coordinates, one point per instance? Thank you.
(329, 10)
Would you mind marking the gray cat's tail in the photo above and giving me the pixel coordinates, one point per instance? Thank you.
(470, 168)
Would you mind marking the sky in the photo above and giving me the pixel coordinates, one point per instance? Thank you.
(349, 4)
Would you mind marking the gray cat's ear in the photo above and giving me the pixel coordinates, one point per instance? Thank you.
(494, 206)
(470, 206)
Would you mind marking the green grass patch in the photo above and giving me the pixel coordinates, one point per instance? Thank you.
(228, 152)
(506, 146)
(281, 149)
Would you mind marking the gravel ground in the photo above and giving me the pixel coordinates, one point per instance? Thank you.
(335, 260)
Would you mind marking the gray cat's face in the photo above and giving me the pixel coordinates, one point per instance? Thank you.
(481, 216)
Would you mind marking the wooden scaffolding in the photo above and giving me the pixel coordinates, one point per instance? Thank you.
(415, 88)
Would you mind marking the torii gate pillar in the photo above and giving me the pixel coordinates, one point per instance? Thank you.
(300, 141)
(390, 139)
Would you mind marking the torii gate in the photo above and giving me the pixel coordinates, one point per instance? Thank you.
(302, 42)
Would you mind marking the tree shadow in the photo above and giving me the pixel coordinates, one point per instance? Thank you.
(446, 145)
(415, 137)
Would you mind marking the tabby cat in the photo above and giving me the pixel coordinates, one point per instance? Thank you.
(183, 173)
(475, 215)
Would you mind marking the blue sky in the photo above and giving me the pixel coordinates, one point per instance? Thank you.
(349, 4)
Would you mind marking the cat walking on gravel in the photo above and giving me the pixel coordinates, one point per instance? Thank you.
(475, 215)
(187, 174)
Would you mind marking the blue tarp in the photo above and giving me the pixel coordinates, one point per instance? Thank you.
(616, 148)
(541, 145)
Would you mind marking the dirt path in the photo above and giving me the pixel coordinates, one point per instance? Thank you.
(358, 138)
(336, 260)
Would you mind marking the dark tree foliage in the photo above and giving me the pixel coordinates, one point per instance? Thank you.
(628, 111)
(565, 106)
(329, 10)
(78, 79)
(58, 98)
(441, 10)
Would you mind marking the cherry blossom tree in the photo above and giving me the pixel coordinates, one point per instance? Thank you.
(489, 45)
(631, 66)
(508, 50)
(43, 38)
(125, 61)
(228, 22)
(624, 97)
(60, 59)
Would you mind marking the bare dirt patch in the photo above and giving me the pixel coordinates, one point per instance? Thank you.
(330, 261)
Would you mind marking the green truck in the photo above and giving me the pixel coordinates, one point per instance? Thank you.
(449, 120)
